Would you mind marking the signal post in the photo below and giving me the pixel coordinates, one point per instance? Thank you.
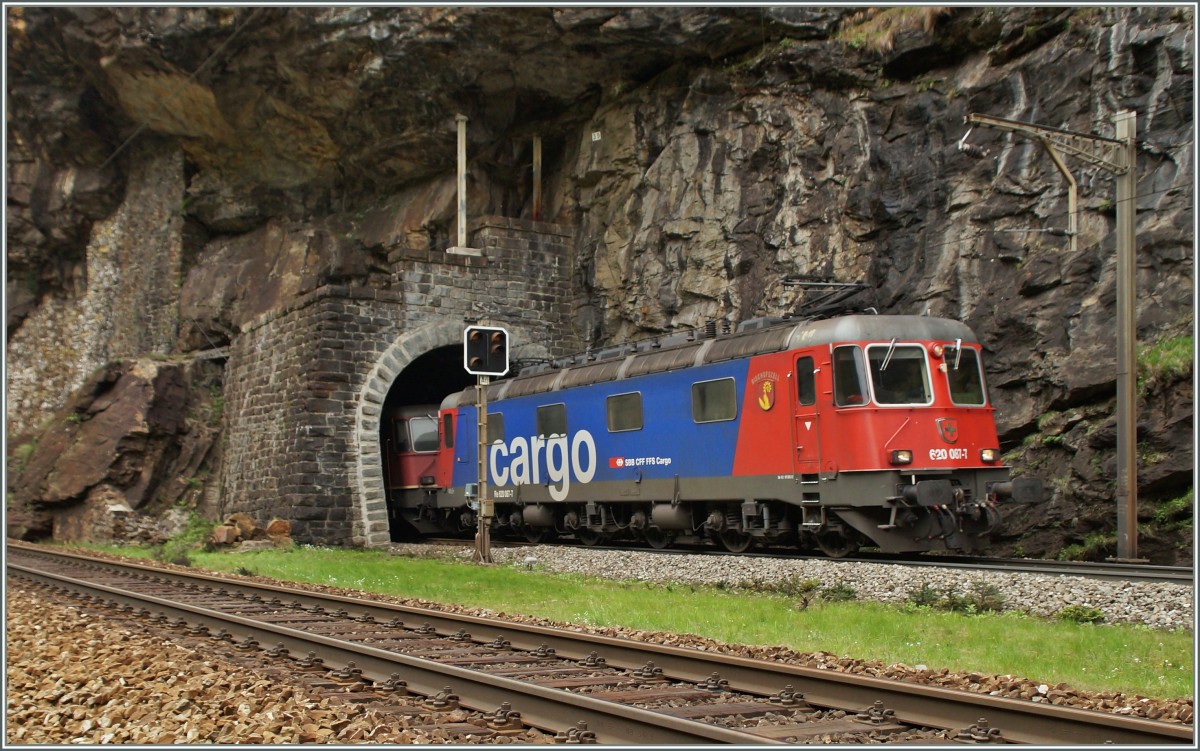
(485, 354)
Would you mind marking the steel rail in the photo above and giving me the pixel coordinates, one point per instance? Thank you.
(1084, 569)
(1020, 721)
(546, 708)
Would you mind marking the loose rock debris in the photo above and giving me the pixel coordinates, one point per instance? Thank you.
(75, 676)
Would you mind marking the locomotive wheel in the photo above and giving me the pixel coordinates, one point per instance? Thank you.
(835, 544)
(734, 540)
(588, 537)
(656, 538)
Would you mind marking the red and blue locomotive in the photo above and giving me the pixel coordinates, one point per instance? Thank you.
(861, 430)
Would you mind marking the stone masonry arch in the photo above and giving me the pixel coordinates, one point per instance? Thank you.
(305, 384)
(367, 485)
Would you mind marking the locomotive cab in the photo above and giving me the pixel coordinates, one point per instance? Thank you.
(910, 424)
(410, 451)
(412, 446)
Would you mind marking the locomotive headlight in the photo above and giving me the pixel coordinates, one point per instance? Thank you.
(902, 456)
(938, 350)
(989, 456)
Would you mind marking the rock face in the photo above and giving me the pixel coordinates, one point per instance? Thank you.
(175, 173)
(136, 437)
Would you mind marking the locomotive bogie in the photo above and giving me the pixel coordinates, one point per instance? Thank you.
(864, 430)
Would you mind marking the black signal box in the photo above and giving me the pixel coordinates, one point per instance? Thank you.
(485, 350)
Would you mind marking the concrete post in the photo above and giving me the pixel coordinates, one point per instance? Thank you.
(462, 180)
(537, 178)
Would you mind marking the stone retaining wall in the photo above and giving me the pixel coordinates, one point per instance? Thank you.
(124, 303)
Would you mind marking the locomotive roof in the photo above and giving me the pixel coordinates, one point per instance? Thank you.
(645, 358)
(409, 411)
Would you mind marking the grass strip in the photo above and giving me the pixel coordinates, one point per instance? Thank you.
(1089, 657)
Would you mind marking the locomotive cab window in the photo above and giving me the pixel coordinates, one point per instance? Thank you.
(964, 377)
(849, 385)
(552, 420)
(400, 435)
(624, 412)
(448, 431)
(899, 374)
(424, 434)
(495, 427)
(714, 401)
(806, 381)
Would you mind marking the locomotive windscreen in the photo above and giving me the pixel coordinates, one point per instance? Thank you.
(899, 374)
(424, 434)
(965, 377)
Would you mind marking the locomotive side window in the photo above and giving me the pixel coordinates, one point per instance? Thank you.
(424, 434)
(849, 386)
(899, 374)
(448, 431)
(714, 401)
(624, 412)
(400, 435)
(552, 420)
(495, 427)
(965, 377)
(806, 381)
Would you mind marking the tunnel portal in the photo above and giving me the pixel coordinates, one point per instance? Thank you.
(416, 394)
(308, 386)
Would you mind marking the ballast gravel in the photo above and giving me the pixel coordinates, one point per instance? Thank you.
(76, 676)
(1162, 606)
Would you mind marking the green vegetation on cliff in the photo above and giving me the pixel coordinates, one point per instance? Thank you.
(1164, 360)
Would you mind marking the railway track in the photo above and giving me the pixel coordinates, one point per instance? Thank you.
(577, 687)
(1086, 569)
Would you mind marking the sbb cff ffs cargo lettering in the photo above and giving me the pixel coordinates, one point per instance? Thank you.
(826, 434)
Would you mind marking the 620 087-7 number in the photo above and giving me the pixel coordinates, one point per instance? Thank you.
(943, 454)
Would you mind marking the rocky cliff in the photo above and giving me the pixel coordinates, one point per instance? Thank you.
(173, 173)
